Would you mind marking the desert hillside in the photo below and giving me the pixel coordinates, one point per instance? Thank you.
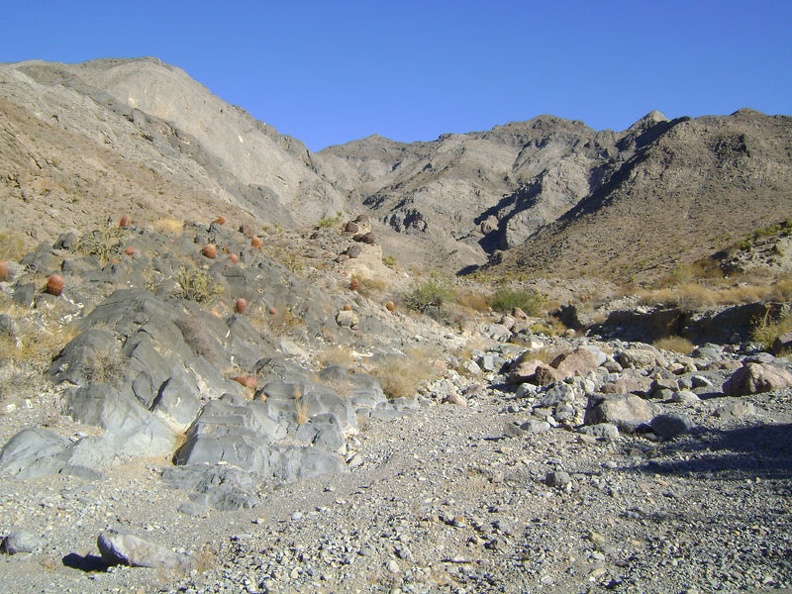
(229, 364)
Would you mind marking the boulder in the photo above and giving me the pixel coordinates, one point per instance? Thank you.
(626, 411)
(21, 542)
(127, 549)
(755, 378)
(578, 362)
(669, 426)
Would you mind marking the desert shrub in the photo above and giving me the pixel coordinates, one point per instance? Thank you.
(339, 354)
(473, 300)
(370, 285)
(389, 261)
(676, 344)
(105, 367)
(196, 285)
(168, 226)
(13, 245)
(766, 330)
(329, 222)
(102, 243)
(429, 296)
(401, 375)
(506, 299)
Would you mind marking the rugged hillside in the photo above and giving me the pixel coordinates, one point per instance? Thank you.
(129, 132)
(697, 189)
(87, 142)
(473, 193)
(570, 201)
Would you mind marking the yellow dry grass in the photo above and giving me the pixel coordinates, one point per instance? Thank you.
(401, 375)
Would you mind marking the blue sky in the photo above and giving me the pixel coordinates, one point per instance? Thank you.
(327, 72)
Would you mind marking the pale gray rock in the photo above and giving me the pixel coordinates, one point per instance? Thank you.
(127, 549)
(21, 541)
(626, 411)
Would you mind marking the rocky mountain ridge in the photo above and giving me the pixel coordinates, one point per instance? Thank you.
(561, 198)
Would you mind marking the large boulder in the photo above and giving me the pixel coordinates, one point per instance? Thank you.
(626, 411)
(754, 377)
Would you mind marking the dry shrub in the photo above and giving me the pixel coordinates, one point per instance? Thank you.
(339, 354)
(168, 226)
(105, 367)
(368, 286)
(301, 408)
(401, 375)
(676, 344)
(694, 296)
(472, 300)
(196, 285)
(766, 330)
(199, 340)
(13, 245)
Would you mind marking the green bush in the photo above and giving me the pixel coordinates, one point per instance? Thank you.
(429, 296)
(506, 299)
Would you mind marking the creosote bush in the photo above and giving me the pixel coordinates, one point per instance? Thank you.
(196, 285)
(506, 299)
(429, 296)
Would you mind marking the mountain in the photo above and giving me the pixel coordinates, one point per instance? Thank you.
(128, 132)
(565, 200)
(546, 196)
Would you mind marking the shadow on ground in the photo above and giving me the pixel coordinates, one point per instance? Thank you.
(86, 563)
(761, 451)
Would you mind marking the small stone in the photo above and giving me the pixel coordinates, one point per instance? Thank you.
(557, 478)
(669, 426)
(392, 566)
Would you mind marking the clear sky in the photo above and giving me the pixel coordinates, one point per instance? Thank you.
(330, 71)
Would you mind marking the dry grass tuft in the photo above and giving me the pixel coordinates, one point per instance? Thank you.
(13, 245)
(676, 344)
(766, 331)
(401, 375)
(168, 226)
(105, 367)
(339, 354)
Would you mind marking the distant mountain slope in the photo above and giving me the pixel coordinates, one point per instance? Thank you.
(157, 119)
(696, 189)
(564, 199)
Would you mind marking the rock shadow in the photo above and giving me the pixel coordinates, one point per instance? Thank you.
(86, 563)
(759, 451)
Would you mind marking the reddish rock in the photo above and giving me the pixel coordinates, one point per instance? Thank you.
(256, 243)
(240, 305)
(125, 222)
(3, 271)
(210, 251)
(577, 362)
(249, 381)
(55, 284)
